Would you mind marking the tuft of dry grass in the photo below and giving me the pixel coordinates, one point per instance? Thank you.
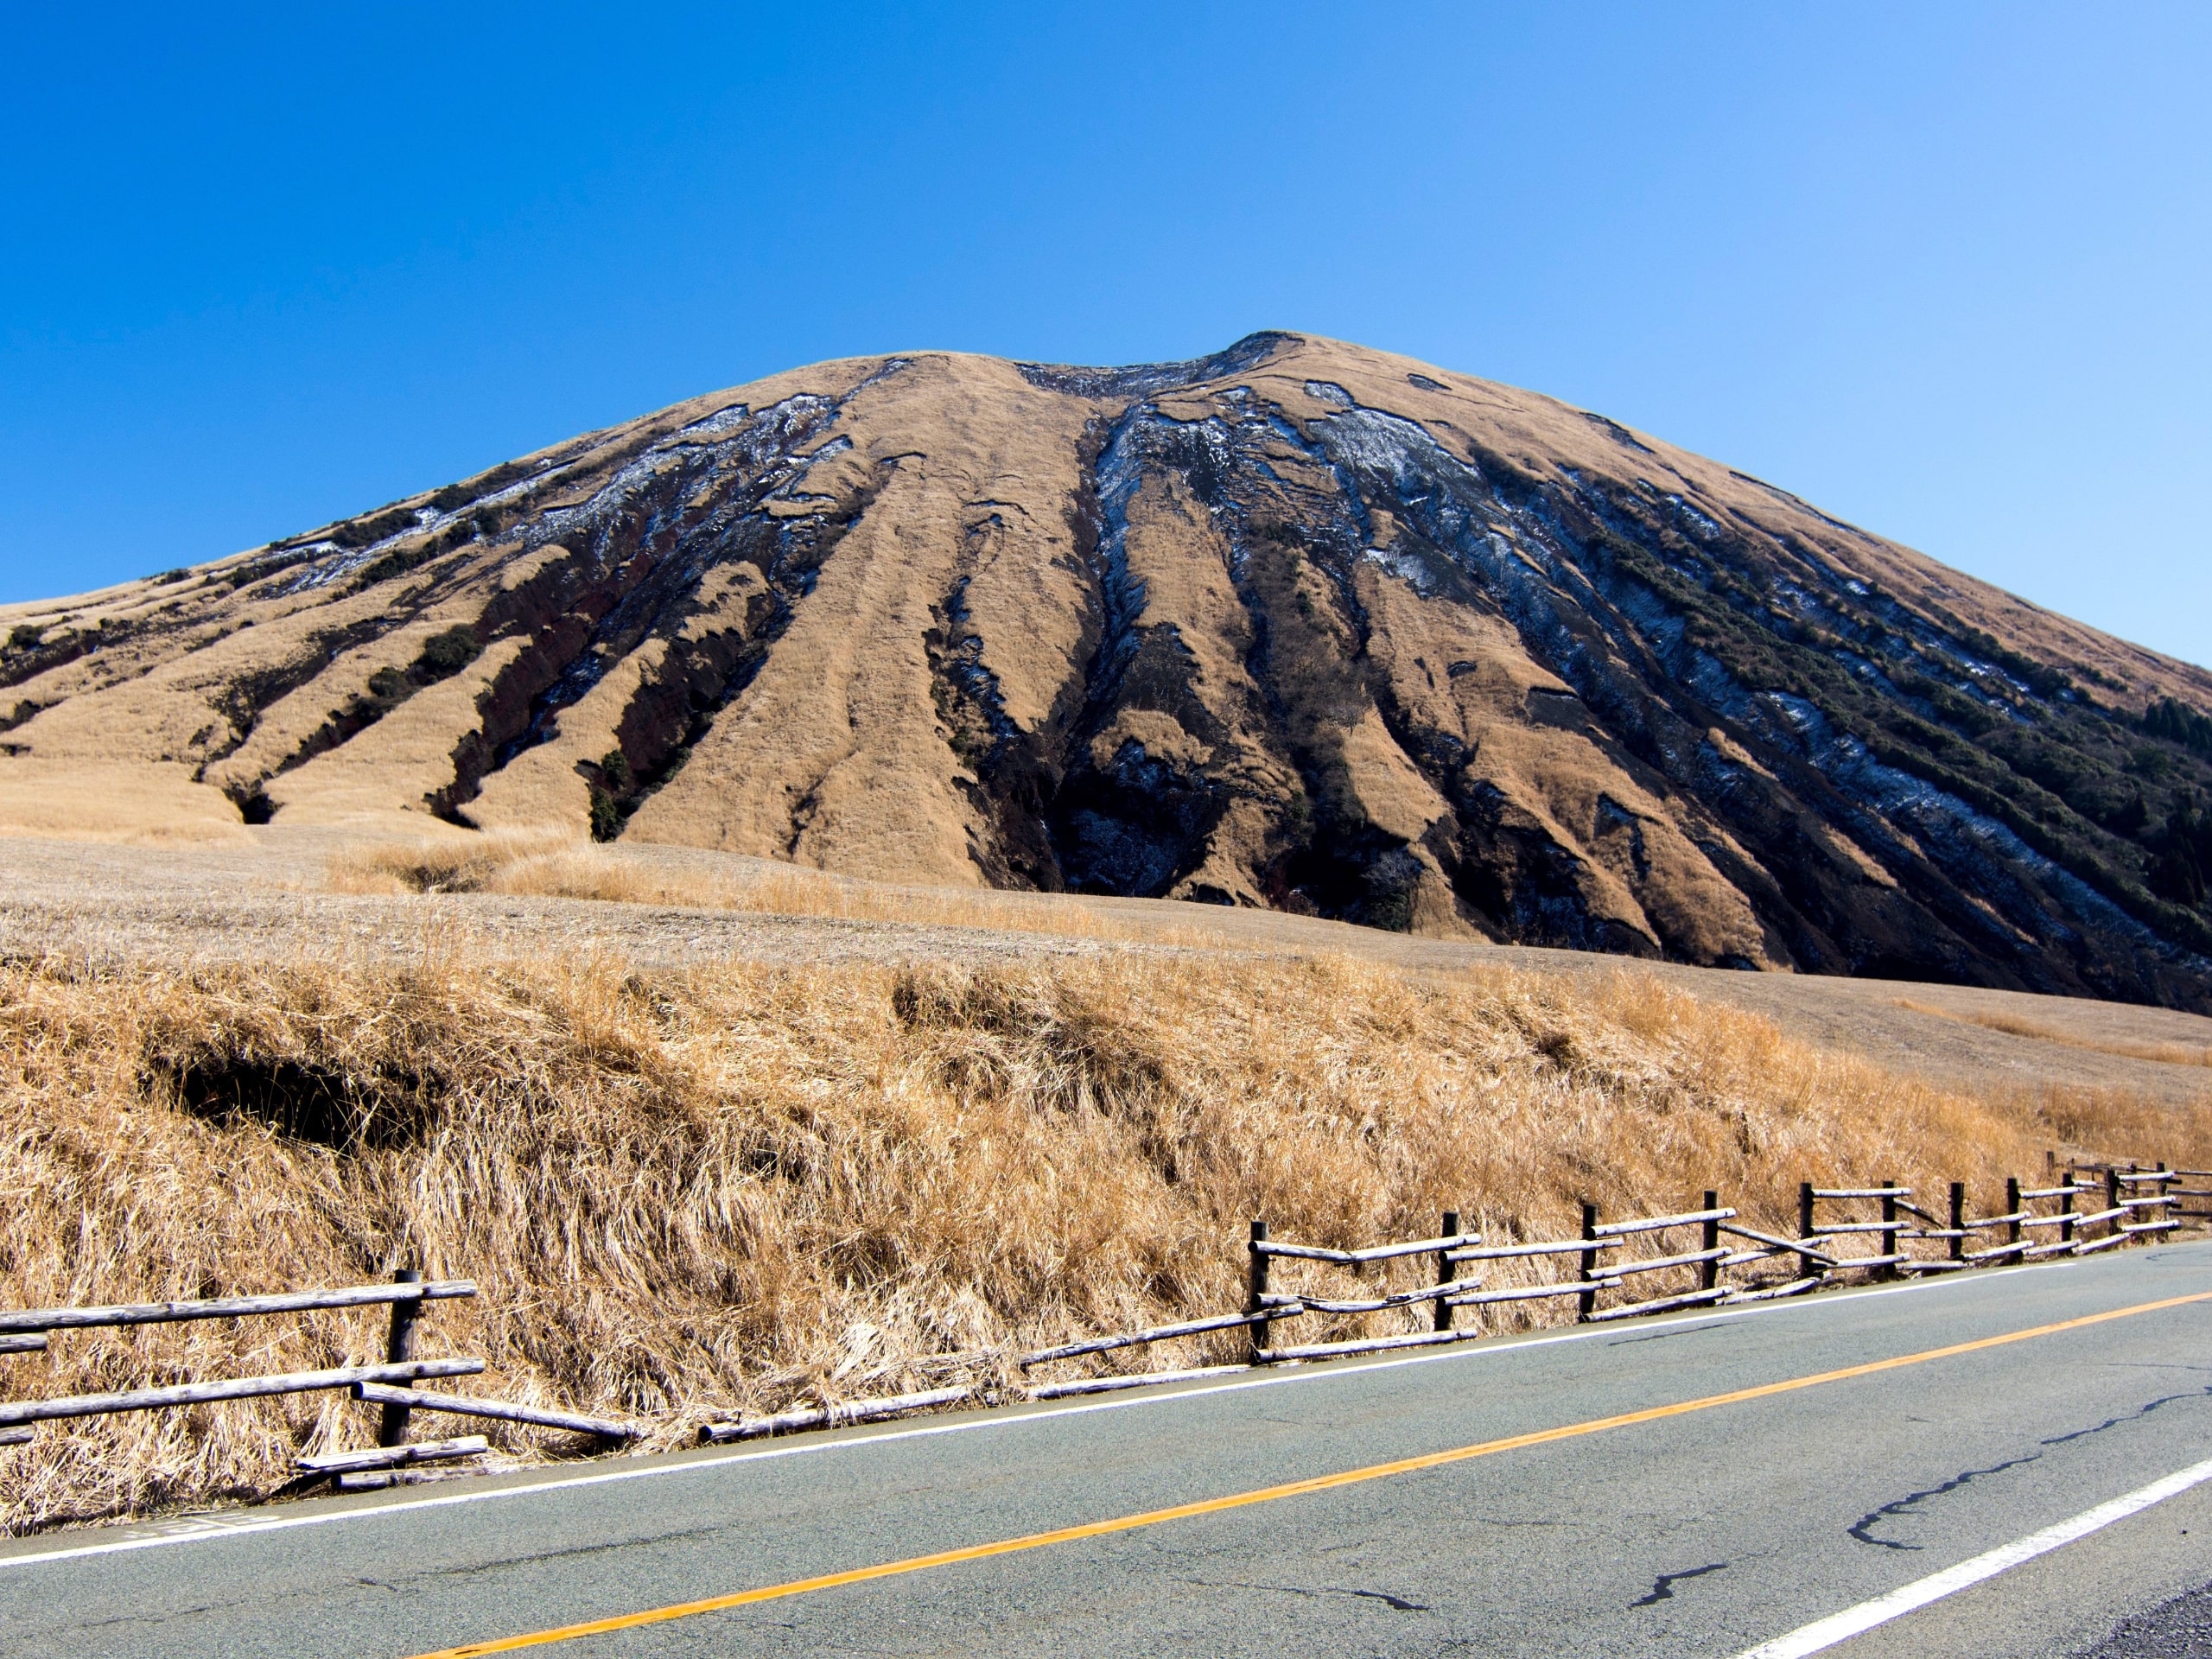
(557, 864)
(690, 1193)
(2013, 1026)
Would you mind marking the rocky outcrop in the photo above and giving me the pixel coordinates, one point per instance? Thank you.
(1299, 625)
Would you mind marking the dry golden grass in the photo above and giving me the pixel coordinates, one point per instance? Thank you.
(2013, 1026)
(142, 805)
(554, 864)
(738, 1187)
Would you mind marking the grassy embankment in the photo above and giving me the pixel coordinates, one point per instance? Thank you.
(688, 1194)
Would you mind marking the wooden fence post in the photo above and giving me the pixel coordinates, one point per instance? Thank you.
(1889, 1227)
(1958, 1220)
(1446, 1271)
(2066, 1208)
(1586, 1303)
(1708, 1273)
(398, 1346)
(1805, 1268)
(1259, 1326)
(2012, 1209)
(2112, 1200)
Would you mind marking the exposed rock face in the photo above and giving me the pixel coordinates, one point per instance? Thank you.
(1299, 625)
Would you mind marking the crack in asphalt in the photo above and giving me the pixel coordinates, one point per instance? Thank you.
(1398, 1603)
(2133, 1416)
(1859, 1529)
(1662, 1587)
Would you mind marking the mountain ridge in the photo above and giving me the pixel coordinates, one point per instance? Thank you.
(1297, 623)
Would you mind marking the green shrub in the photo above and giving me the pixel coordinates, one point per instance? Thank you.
(25, 636)
(2177, 722)
(606, 816)
(445, 654)
(360, 532)
(615, 771)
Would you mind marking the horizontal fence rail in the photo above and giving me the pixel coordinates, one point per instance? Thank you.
(230, 1308)
(457, 1405)
(237, 1387)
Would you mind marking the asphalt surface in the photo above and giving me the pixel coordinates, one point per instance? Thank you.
(1702, 1533)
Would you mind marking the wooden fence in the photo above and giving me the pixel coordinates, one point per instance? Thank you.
(388, 1386)
(1711, 1257)
(1607, 1270)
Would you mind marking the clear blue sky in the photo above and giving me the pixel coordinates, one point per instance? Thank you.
(1943, 270)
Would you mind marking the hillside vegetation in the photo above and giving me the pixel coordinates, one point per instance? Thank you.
(742, 1187)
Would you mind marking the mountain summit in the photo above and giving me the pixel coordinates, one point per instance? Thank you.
(1299, 625)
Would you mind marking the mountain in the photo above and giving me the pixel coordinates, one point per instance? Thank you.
(1299, 625)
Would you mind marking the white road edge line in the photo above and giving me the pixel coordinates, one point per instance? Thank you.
(1853, 1621)
(202, 1529)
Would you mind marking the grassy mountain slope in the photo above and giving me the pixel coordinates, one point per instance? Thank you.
(1299, 625)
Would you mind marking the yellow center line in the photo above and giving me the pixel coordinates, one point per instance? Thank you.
(1269, 1494)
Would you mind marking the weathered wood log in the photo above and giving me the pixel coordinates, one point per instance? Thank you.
(2101, 1215)
(1744, 1258)
(1800, 1246)
(1135, 1380)
(29, 1342)
(17, 1436)
(1987, 1222)
(1377, 1252)
(1934, 1232)
(1709, 1241)
(1843, 1263)
(1660, 1263)
(1446, 1272)
(1654, 1223)
(1913, 1264)
(1862, 1191)
(2057, 1247)
(1372, 1305)
(1660, 1305)
(2092, 1247)
(2055, 1191)
(2149, 1177)
(459, 1405)
(399, 1346)
(850, 1411)
(1562, 1247)
(243, 1388)
(229, 1308)
(1770, 1292)
(1255, 1336)
(393, 1457)
(1838, 1228)
(1287, 1308)
(1994, 1251)
(1366, 1345)
(2151, 1227)
(1532, 1293)
(2049, 1221)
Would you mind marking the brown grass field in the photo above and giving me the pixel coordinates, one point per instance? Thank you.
(689, 1191)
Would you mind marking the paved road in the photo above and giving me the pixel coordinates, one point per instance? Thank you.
(1703, 1532)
